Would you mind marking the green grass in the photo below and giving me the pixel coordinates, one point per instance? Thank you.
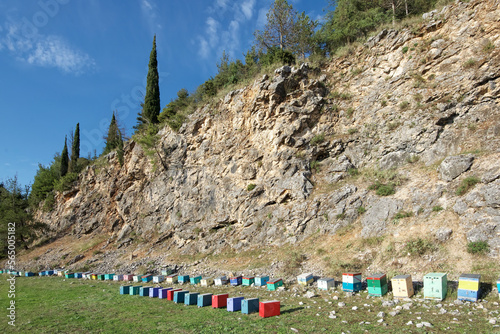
(478, 247)
(467, 184)
(55, 305)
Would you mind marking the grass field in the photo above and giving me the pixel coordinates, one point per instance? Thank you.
(57, 305)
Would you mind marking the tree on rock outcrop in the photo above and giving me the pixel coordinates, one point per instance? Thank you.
(286, 29)
(151, 106)
(64, 159)
(75, 150)
(114, 139)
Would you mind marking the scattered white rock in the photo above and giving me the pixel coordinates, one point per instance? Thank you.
(294, 330)
(493, 321)
(341, 304)
(381, 314)
(354, 308)
(409, 323)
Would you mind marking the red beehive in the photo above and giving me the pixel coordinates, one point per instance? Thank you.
(170, 294)
(219, 301)
(269, 309)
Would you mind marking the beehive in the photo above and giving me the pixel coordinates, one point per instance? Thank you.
(49, 272)
(219, 301)
(269, 308)
(179, 296)
(351, 282)
(172, 279)
(377, 284)
(136, 278)
(261, 280)
(191, 298)
(86, 275)
(78, 275)
(125, 290)
(469, 287)
(109, 277)
(118, 278)
(147, 278)
(101, 277)
(435, 286)
(247, 281)
(158, 279)
(144, 291)
(134, 290)
(183, 279)
(222, 280)
(402, 286)
(128, 278)
(305, 279)
(250, 305)
(205, 300)
(207, 281)
(326, 283)
(162, 293)
(29, 274)
(195, 280)
(153, 292)
(170, 294)
(61, 273)
(92, 276)
(234, 304)
(70, 275)
(498, 287)
(274, 284)
(41, 273)
(235, 281)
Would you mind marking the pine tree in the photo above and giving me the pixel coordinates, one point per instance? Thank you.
(64, 159)
(114, 140)
(151, 107)
(75, 150)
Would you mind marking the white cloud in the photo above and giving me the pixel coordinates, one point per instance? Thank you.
(146, 5)
(149, 10)
(212, 26)
(46, 51)
(204, 49)
(247, 8)
(53, 52)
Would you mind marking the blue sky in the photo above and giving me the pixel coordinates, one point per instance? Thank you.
(69, 61)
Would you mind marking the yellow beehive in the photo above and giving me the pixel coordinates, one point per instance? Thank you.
(402, 286)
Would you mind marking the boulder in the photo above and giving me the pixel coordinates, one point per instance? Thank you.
(453, 166)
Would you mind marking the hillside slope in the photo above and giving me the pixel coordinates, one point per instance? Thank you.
(283, 172)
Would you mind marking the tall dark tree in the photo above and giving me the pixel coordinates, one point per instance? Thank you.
(75, 150)
(114, 139)
(151, 107)
(64, 159)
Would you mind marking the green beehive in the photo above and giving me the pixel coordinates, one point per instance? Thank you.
(377, 284)
(134, 290)
(435, 286)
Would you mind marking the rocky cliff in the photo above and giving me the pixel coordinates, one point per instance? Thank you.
(396, 141)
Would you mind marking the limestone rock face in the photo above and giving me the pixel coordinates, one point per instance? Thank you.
(293, 154)
(453, 166)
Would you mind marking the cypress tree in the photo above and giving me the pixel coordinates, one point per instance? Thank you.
(64, 159)
(75, 149)
(151, 107)
(114, 136)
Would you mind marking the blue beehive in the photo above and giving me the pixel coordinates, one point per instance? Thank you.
(49, 272)
(179, 296)
(41, 273)
(125, 290)
(261, 280)
(29, 274)
(162, 293)
(305, 279)
(195, 280)
(351, 282)
(250, 305)
(147, 278)
(191, 298)
(498, 286)
(144, 291)
(183, 279)
(469, 287)
(234, 304)
(78, 275)
(153, 292)
(205, 300)
(234, 281)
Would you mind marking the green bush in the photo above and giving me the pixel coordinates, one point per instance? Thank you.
(403, 214)
(419, 246)
(361, 210)
(478, 247)
(404, 49)
(251, 187)
(404, 105)
(318, 139)
(315, 165)
(467, 184)
(66, 182)
(437, 208)
(382, 189)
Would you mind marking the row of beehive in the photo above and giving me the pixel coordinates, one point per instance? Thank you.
(435, 285)
(246, 306)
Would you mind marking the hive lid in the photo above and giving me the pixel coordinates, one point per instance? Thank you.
(401, 277)
(473, 276)
(376, 276)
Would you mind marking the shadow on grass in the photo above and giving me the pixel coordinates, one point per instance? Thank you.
(292, 310)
